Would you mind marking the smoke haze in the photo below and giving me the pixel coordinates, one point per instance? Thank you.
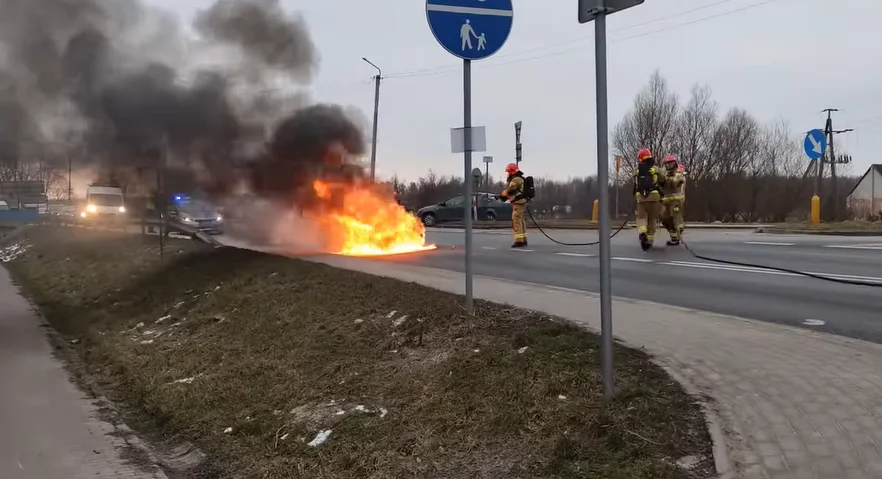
(122, 81)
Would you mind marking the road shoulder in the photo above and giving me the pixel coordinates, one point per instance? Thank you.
(790, 401)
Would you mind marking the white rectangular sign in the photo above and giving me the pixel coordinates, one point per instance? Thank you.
(457, 139)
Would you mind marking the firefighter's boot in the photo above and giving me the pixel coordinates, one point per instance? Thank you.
(673, 242)
(645, 243)
(519, 244)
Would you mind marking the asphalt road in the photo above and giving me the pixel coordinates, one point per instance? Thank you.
(672, 275)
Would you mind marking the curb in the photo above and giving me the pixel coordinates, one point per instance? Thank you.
(722, 461)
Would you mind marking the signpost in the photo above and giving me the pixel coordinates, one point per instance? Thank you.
(815, 144)
(470, 30)
(518, 143)
(597, 10)
(487, 161)
(476, 177)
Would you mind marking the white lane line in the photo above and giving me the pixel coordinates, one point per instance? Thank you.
(745, 269)
(769, 243)
(635, 260)
(579, 255)
(470, 10)
(813, 322)
(856, 246)
(488, 247)
(522, 250)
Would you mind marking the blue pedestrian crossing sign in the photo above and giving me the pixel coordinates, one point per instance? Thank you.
(815, 144)
(470, 29)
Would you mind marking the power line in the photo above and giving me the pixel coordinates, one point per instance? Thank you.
(450, 68)
(580, 39)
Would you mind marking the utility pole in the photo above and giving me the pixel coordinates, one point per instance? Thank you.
(829, 131)
(69, 169)
(377, 79)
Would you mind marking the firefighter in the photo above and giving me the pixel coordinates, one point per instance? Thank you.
(647, 190)
(672, 200)
(514, 193)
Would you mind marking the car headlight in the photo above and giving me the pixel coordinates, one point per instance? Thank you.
(83, 214)
(187, 219)
(122, 209)
(220, 218)
(91, 208)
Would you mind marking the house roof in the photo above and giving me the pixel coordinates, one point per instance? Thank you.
(877, 168)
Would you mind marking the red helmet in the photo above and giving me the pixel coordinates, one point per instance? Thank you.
(644, 154)
(670, 159)
(511, 168)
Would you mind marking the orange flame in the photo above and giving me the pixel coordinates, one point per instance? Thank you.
(364, 221)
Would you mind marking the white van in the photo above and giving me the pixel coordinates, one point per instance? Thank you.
(103, 202)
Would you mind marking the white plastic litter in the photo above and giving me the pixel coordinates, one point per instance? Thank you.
(320, 438)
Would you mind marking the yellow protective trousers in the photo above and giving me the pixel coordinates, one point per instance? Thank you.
(672, 217)
(519, 222)
(648, 212)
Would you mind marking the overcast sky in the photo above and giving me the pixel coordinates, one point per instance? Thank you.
(775, 58)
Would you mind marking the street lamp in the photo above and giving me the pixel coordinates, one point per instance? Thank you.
(377, 79)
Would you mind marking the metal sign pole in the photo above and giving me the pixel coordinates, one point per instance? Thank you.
(606, 336)
(467, 168)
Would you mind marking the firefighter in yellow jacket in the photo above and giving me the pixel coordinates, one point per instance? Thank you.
(647, 190)
(514, 193)
(672, 200)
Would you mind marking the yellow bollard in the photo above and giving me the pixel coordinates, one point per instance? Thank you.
(816, 209)
(595, 211)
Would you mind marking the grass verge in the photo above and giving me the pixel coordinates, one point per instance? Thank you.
(868, 227)
(252, 357)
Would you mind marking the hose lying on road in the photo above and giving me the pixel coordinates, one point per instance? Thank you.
(783, 270)
(717, 260)
(593, 243)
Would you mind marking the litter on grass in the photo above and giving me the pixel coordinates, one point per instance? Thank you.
(320, 438)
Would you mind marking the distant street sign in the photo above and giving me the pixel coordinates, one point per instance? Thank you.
(478, 139)
(589, 9)
(488, 159)
(470, 29)
(815, 144)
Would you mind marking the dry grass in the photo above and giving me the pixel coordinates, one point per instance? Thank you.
(844, 226)
(274, 349)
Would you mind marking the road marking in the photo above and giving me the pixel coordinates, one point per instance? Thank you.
(580, 255)
(488, 247)
(635, 260)
(813, 322)
(856, 246)
(769, 243)
(746, 269)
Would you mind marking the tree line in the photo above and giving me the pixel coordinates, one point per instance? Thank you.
(739, 169)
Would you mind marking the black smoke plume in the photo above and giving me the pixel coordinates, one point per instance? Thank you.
(135, 93)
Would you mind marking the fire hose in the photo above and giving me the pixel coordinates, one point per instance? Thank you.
(715, 260)
(593, 243)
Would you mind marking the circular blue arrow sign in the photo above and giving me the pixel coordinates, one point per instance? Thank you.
(815, 144)
(470, 29)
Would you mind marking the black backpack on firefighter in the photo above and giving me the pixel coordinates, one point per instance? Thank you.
(529, 188)
(646, 179)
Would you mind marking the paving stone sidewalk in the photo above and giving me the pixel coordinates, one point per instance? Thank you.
(793, 403)
(48, 429)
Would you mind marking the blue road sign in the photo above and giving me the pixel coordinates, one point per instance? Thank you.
(815, 144)
(470, 29)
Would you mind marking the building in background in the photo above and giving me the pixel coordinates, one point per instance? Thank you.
(25, 195)
(865, 199)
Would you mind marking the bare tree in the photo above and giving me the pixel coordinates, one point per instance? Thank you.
(694, 136)
(651, 123)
